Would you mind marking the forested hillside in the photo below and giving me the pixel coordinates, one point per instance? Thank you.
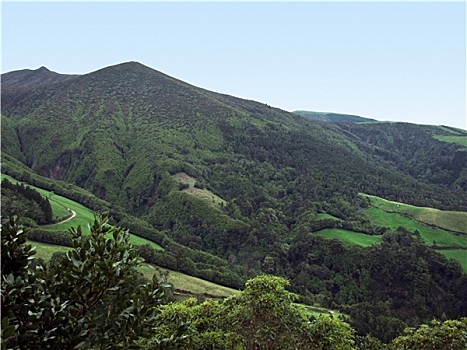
(221, 181)
(334, 117)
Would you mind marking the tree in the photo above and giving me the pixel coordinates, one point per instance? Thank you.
(262, 316)
(447, 335)
(90, 297)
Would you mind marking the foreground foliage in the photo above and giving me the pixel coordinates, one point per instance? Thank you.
(262, 316)
(448, 335)
(91, 296)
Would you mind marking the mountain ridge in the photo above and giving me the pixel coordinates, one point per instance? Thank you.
(128, 134)
(131, 99)
(28, 78)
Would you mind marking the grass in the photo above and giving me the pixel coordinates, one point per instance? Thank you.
(429, 234)
(348, 237)
(84, 216)
(457, 254)
(316, 311)
(320, 216)
(45, 251)
(59, 209)
(449, 220)
(461, 140)
(179, 280)
(186, 179)
(192, 284)
(201, 193)
(431, 223)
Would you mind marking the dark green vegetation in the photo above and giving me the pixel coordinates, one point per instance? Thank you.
(334, 117)
(86, 298)
(90, 297)
(27, 202)
(68, 214)
(232, 188)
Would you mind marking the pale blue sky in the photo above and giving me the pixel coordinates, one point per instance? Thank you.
(389, 61)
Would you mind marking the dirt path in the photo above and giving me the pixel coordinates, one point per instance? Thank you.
(73, 214)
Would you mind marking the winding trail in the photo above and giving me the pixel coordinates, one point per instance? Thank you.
(73, 214)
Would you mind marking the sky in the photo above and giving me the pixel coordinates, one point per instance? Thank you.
(395, 61)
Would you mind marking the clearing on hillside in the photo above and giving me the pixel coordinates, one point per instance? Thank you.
(448, 220)
(201, 193)
(348, 237)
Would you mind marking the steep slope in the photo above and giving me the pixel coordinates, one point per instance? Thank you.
(123, 130)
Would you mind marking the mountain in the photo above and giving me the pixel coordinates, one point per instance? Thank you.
(27, 78)
(241, 185)
(334, 117)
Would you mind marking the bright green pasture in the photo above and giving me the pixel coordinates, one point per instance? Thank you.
(59, 209)
(462, 140)
(325, 216)
(179, 280)
(429, 234)
(457, 254)
(45, 251)
(348, 237)
(189, 283)
(84, 216)
(449, 220)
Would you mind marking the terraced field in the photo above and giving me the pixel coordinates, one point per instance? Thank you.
(444, 230)
(449, 220)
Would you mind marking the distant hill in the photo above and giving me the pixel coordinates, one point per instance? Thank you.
(334, 117)
(27, 78)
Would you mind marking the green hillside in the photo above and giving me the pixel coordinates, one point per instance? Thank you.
(444, 230)
(449, 220)
(233, 188)
(63, 207)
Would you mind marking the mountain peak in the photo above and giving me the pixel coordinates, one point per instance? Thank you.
(32, 78)
(43, 69)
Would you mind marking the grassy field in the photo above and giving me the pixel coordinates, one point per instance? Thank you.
(201, 193)
(179, 280)
(429, 234)
(315, 311)
(449, 220)
(45, 251)
(462, 140)
(83, 217)
(445, 228)
(192, 284)
(456, 254)
(348, 237)
(59, 209)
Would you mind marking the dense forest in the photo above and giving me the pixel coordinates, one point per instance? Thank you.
(232, 189)
(87, 298)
